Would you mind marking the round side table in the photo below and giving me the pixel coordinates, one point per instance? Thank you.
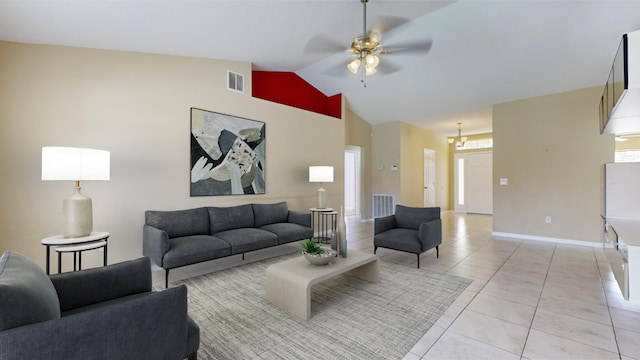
(323, 223)
(95, 240)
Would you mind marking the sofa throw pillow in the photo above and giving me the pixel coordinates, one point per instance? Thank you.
(229, 218)
(27, 295)
(178, 223)
(266, 214)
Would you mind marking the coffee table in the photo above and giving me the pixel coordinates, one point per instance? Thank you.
(288, 283)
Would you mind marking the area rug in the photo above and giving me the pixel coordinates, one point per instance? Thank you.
(351, 318)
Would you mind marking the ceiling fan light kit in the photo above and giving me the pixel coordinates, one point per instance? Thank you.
(365, 47)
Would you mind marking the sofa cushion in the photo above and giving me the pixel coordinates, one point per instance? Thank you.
(179, 222)
(399, 239)
(189, 250)
(228, 218)
(265, 214)
(412, 217)
(27, 295)
(248, 239)
(288, 232)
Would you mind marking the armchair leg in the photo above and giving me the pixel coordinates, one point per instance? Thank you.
(437, 252)
(193, 356)
(375, 248)
(418, 261)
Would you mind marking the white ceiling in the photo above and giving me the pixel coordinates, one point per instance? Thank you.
(482, 53)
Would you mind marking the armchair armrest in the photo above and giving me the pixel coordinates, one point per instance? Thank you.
(430, 234)
(148, 327)
(155, 243)
(300, 218)
(383, 224)
(91, 286)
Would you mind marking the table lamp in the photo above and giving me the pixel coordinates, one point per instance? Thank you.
(321, 174)
(76, 164)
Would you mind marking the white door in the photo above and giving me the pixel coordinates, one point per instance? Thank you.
(473, 182)
(352, 181)
(429, 178)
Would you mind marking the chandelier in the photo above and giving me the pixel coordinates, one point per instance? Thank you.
(460, 140)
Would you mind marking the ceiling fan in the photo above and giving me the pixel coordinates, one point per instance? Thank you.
(366, 49)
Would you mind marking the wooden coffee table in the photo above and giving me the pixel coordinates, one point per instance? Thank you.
(288, 283)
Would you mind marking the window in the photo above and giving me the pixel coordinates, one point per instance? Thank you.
(622, 156)
(477, 144)
(460, 182)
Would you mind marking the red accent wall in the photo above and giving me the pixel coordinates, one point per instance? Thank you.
(287, 88)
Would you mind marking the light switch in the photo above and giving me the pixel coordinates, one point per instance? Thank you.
(504, 181)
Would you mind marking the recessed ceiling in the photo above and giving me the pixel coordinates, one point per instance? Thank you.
(482, 53)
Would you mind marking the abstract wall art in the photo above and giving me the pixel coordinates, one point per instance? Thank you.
(227, 154)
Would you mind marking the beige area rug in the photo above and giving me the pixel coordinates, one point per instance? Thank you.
(351, 318)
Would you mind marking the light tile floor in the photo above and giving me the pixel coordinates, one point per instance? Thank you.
(529, 299)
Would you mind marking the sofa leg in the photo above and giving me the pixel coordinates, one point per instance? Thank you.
(166, 278)
(437, 252)
(418, 261)
(242, 256)
(193, 356)
(375, 248)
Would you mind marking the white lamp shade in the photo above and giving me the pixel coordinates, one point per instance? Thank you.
(320, 173)
(69, 163)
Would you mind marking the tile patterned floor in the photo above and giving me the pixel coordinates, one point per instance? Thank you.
(529, 300)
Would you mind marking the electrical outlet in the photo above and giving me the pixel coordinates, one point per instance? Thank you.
(547, 219)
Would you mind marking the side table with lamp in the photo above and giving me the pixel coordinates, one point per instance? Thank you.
(75, 164)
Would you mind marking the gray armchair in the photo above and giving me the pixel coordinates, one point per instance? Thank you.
(102, 313)
(410, 229)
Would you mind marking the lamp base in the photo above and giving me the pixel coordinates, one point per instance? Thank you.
(321, 198)
(78, 217)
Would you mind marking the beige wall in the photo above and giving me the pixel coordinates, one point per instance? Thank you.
(403, 144)
(358, 133)
(551, 151)
(136, 106)
(386, 152)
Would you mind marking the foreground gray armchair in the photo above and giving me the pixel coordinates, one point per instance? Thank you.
(410, 229)
(104, 313)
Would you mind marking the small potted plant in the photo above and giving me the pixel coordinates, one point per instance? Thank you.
(316, 254)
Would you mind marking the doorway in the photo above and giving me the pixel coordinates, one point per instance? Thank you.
(429, 178)
(352, 176)
(473, 183)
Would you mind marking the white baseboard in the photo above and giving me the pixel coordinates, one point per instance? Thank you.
(546, 239)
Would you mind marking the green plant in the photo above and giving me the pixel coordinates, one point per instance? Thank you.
(310, 247)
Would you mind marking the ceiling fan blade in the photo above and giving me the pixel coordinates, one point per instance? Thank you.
(337, 70)
(320, 44)
(413, 47)
(388, 67)
(388, 23)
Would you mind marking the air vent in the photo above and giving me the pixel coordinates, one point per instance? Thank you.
(235, 81)
(383, 205)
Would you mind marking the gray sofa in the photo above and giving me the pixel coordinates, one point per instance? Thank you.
(100, 314)
(410, 229)
(183, 237)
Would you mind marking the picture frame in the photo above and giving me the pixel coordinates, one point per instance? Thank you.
(227, 154)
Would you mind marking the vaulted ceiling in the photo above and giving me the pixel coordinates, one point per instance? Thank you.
(482, 52)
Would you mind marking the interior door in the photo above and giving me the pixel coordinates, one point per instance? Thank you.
(479, 183)
(429, 178)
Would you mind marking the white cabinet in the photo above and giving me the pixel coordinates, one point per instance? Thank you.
(624, 255)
